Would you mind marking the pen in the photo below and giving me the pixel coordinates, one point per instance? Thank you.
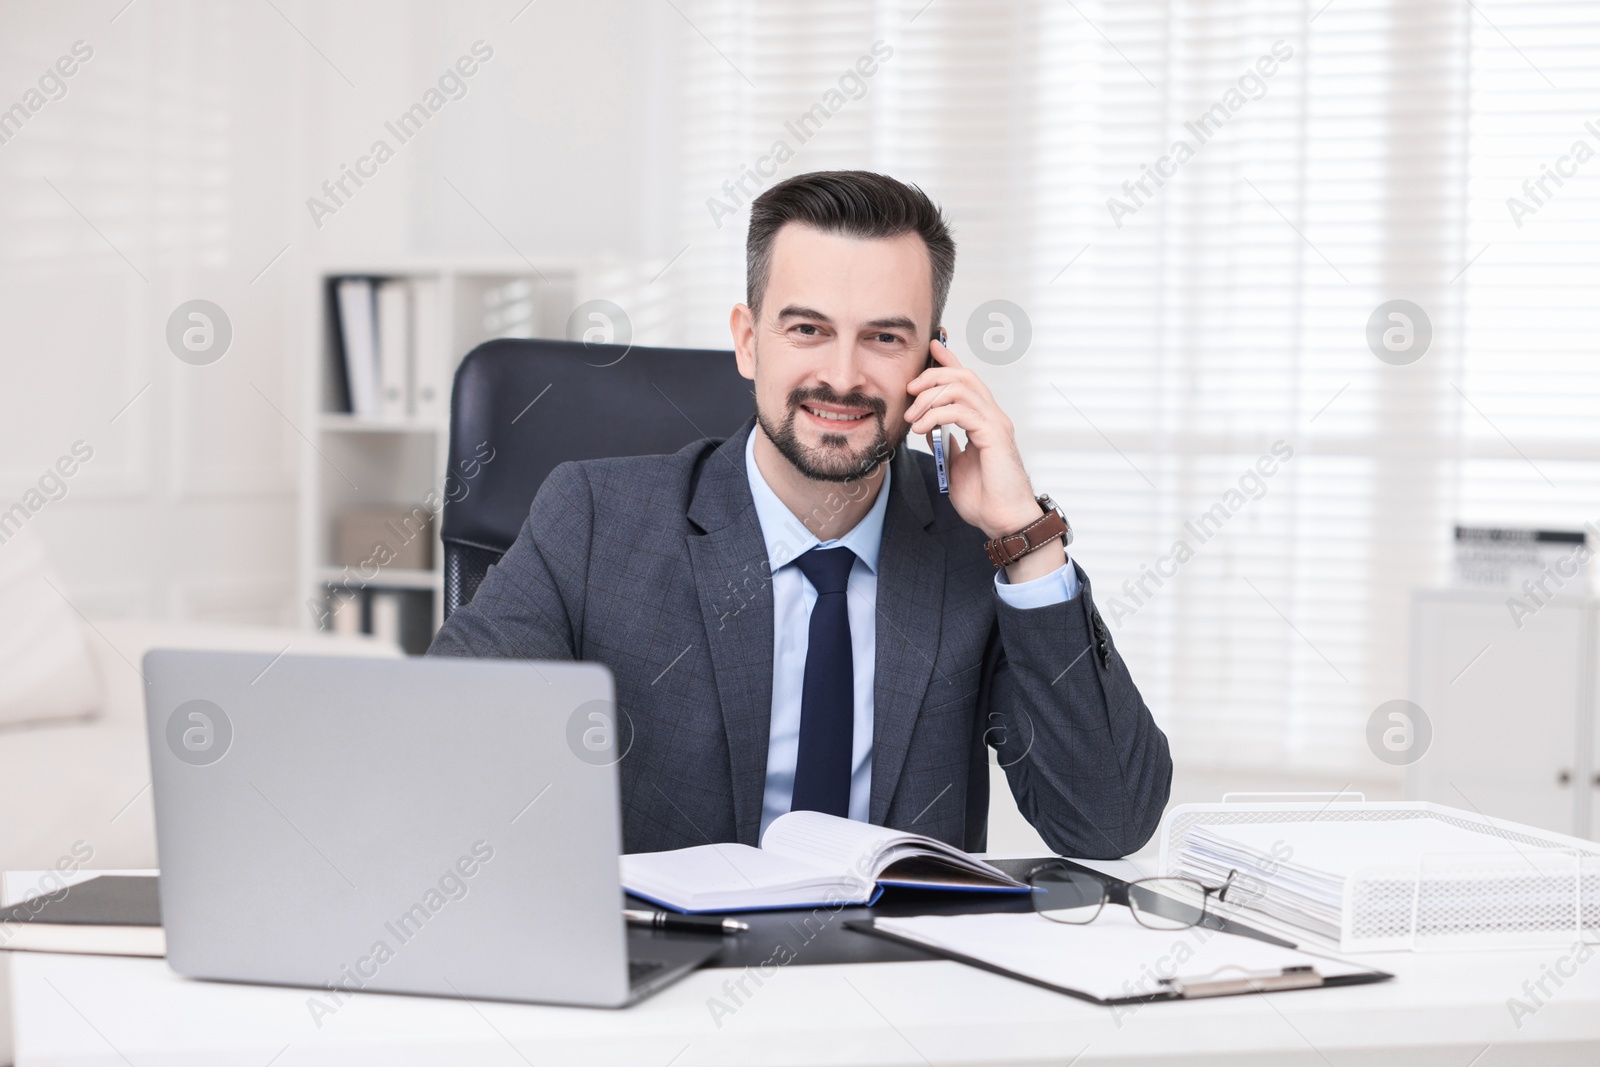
(693, 924)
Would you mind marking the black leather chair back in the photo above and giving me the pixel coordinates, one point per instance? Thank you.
(526, 406)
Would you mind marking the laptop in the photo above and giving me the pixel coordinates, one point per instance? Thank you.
(431, 825)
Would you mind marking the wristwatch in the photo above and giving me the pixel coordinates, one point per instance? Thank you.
(1006, 550)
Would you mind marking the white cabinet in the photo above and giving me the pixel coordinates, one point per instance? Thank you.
(1511, 708)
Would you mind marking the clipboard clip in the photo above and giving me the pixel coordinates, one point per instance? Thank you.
(1208, 985)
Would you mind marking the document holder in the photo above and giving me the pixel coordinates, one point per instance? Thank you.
(1474, 883)
(1106, 970)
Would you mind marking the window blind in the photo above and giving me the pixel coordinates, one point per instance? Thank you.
(1199, 314)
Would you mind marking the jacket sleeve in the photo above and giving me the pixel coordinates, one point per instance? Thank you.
(1087, 764)
(530, 605)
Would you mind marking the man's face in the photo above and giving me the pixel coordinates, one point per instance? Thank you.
(843, 328)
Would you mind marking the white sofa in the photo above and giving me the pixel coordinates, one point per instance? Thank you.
(86, 780)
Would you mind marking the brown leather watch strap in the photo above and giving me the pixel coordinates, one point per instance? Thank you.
(1006, 550)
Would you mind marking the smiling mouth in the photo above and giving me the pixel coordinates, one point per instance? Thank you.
(840, 417)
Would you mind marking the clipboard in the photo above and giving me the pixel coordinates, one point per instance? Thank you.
(1300, 971)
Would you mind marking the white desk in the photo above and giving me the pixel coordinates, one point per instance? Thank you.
(1441, 1009)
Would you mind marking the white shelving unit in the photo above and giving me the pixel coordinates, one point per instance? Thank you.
(368, 463)
(1513, 709)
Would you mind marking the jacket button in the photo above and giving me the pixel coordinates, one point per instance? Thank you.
(1102, 638)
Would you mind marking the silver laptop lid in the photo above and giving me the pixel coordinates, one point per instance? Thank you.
(428, 825)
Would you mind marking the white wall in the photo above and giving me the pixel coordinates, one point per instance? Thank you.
(189, 143)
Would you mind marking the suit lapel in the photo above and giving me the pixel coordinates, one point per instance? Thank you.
(735, 591)
(911, 577)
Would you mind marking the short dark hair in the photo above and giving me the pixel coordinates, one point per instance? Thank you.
(857, 203)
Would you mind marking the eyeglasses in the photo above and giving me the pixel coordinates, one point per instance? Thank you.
(1077, 897)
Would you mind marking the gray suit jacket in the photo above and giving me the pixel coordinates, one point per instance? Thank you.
(656, 567)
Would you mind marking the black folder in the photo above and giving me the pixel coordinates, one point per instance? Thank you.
(111, 915)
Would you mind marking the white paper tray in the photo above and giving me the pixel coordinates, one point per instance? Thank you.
(1546, 892)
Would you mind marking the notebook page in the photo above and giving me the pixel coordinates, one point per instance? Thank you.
(845, 847)
(707, 870)
(865, 851)
(1109, 958)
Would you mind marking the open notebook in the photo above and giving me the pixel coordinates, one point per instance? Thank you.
(806, 859)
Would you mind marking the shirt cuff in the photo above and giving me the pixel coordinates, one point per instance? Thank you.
(1057, 587)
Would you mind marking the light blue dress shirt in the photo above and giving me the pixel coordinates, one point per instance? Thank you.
(792, 598)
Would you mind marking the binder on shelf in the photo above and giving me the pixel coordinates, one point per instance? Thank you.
(431, 367)
(337, 398)
(346, 608)
(394, 347)
(403, 616)
(356, 313)
(386, 607)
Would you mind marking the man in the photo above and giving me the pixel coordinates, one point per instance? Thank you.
(796, 617)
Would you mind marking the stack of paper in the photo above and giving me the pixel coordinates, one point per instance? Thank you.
(1294, 873)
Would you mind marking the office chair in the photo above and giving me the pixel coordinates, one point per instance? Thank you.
(526, 406)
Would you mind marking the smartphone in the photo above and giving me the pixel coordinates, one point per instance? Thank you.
(937, 436)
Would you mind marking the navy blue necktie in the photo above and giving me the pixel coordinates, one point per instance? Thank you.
(827, 703)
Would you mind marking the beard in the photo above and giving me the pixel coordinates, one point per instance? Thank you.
(832, 459)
